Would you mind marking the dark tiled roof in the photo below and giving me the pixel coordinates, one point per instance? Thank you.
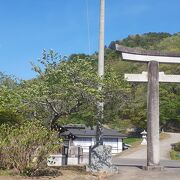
(82, 131)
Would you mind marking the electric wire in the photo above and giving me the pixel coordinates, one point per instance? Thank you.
(88, 26)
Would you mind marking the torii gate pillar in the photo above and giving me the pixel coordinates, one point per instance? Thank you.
(153, 77)
(153, 115)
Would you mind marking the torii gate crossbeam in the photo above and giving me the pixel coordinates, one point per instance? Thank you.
(153, 77)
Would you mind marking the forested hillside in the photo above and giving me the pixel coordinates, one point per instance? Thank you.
(169, 93)
(65, 90)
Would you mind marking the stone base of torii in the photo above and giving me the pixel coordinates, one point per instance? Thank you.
(153, 77)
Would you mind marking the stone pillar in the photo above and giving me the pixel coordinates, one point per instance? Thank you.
(153, 116)
(100, 159)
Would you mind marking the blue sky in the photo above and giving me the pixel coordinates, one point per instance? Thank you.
(29, 26)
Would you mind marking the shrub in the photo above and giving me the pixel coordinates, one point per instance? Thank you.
(177, 146)
(26, 147)
(175, 155)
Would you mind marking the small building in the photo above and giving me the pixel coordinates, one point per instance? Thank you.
(84, 137)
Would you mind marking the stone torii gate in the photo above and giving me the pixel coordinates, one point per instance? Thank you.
(153, 77)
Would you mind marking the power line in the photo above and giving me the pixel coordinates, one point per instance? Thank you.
(88, 26)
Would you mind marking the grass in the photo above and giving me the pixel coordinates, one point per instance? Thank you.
(175, 155)
(135, 141)
(135, 145)
(132, 140)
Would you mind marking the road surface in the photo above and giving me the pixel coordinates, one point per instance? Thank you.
(137, 156)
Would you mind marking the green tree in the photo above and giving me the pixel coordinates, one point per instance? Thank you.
(9, 100)
(145, 41)
(171, 44)
(8, 81)
(63, 87)
(169, 93)
(67, 90)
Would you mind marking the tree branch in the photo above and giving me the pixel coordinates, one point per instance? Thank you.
(52, 107)
(58, 115)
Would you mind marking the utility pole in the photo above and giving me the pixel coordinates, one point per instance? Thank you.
(101, 40)
(100, 155)
(99, 130)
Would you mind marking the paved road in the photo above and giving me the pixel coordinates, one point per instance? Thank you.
(137, 156)
(165, 147)
(142, 162)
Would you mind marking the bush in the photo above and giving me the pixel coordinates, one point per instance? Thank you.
(177, 146)
(47, 172)
(26, 147)
(175, 155)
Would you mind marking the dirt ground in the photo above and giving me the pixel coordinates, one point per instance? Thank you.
(134, 173)
(125, 173)
(66, 175)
